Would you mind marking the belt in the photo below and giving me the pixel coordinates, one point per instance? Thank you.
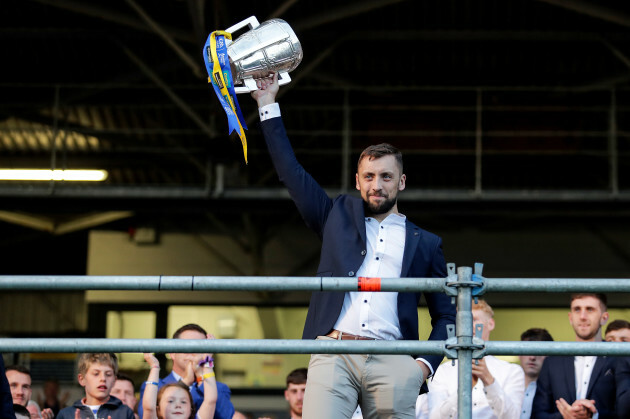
(336, 334)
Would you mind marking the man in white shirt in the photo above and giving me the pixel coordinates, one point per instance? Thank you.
(497, 385)
(532, 364)
(579, 386)
(366, 238)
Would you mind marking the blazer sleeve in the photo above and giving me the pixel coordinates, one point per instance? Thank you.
(6, 400)
(544, 405)
(311, 200)
(622, 377)
(224, 408)
(441, 311)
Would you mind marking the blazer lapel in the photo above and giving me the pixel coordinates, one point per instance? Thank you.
(359, 218)
(412, 238)
(569, 376)
(597, 371)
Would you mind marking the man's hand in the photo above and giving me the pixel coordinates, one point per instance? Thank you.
(189, 377)
(481, 372)
(267, 90)
(580, 409)
(47, 413)
(425, 370)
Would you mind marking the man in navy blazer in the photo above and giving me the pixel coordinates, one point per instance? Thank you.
(622, 375)
(6, 400)
(364, 237)
(558, 395)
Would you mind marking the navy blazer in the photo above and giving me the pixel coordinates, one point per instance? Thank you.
(622, 376)
(557, 379)
(340, 224)
(6, 399)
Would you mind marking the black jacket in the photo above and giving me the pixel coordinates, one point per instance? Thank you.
(113, 407)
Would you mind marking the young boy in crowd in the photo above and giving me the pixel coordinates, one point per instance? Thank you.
(97, 374)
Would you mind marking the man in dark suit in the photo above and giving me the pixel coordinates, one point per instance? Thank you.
(579, 386)
(623, 387)
(6, 400)
(364, 237)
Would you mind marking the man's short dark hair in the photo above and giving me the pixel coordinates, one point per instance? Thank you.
(297, 376)
(18, 368)
(189, 326)
(379, 150)
(617, 325)
(601, 297)
(536, 334)
(125, 377)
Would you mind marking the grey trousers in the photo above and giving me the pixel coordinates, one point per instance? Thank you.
(386, 386)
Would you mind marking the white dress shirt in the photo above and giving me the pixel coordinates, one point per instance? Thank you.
(269, 111)
(528, 400)
(500, 400)
(583, 371)
(375, 314)
(422, 406)
(371, 314)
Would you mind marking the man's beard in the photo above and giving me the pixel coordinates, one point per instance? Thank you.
(380, 208)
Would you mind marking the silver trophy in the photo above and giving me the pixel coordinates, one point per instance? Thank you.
(268, 47)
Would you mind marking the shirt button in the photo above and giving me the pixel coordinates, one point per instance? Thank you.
(382, 227)
(365, 301)
(381, 239)
(376, 258)
(351, 273)
(363, 252)
(363, 325)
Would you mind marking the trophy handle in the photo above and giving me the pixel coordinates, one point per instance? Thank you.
(251, 21)
(250, 83)
(250, 86)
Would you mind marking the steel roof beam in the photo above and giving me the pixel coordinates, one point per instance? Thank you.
(593, 10)
(342, 13)
(170, 93)
(167, 37)
(89, 9)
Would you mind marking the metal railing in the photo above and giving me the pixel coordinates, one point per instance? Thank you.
(462, 344)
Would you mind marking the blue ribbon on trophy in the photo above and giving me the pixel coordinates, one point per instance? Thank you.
(270, 47)
(219, 74)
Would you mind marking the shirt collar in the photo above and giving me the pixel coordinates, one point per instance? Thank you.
(393, 219)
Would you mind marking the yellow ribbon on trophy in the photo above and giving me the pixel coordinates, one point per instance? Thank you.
(221, 78)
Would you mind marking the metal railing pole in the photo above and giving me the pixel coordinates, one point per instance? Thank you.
(464, 331)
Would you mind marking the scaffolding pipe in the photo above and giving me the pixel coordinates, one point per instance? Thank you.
(461, 285)
(216, 283)
(297, 346)
(464, 330)
(247, 346)
(556, 285)
(287, 283)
